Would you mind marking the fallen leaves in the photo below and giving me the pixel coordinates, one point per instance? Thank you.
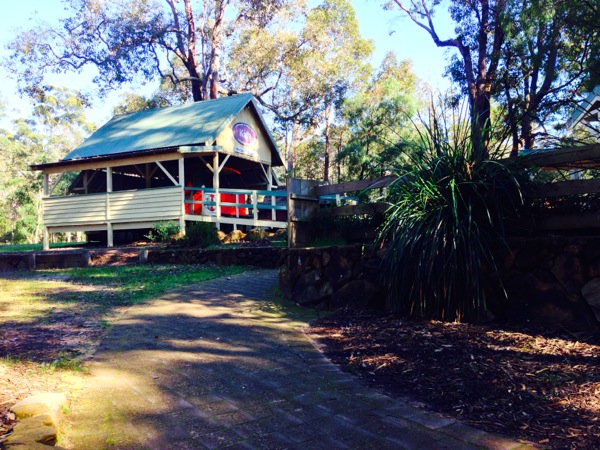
(524, 383)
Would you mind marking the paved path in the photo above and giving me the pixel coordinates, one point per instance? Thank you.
(212, 366)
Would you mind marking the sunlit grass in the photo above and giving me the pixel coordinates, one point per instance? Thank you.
(94, 291)
(7, 248)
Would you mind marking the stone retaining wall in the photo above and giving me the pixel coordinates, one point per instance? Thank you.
(59, 259)
(555, 281)
(265, 257)
(551, 281)
(328, 277)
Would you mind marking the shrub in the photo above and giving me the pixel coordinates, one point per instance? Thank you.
(200, 234)
(447, 211)
(165, 232)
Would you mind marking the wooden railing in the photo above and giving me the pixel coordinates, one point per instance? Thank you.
(305, 198)
(237, 206)
(122, 209)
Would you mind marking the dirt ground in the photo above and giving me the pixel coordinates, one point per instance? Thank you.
(525, 383)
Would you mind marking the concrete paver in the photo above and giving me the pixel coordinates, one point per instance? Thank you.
(208, 367)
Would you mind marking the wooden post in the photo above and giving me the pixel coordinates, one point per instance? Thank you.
(109, 228)
(46, 239)
(303, 205)
(148, 176)
(45, 233)
(46, 184)
(216, 188)
(255, 205)
(270, 188)
(182, 184)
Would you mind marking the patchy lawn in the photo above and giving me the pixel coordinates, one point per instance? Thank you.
(50, 320)
(522, 383)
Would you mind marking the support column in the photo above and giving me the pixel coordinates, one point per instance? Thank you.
(270, 188)
(182, 184)
(216, 187)
(109, 188)
(46, 239)
(45, 233)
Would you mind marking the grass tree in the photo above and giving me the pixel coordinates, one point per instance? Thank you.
(448, 209)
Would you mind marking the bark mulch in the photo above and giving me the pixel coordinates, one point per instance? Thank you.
(524, 383)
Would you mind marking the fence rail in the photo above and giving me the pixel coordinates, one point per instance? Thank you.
(569, 159)
(305, 197)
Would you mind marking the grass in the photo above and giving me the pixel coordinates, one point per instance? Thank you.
(17, 248)
(128, 285)
(93, 295)
(50, 319)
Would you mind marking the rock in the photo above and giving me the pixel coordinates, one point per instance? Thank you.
(40, 404)
(40, 429)
(593, 269)
(234, 236)
(569, 271)
(325, 290)
(258, 233)
(326, 258)
(539, 297)
(339, 271)
(305, 290)
(286, 281)
(591, 294)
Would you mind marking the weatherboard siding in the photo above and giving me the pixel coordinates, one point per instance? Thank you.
(145, 205)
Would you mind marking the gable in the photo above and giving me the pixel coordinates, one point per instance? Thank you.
(246, 137)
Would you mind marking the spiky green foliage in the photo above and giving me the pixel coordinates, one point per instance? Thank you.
(448, 210)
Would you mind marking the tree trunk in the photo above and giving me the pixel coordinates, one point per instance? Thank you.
(480, 125)
(191, 62)
(217, 42)
(327, 158)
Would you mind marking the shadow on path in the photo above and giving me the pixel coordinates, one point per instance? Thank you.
(208, 367)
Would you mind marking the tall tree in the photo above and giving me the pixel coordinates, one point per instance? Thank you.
(478, 40)
(302, 71)
(521, 52)
(378, 118)
(132, 39)
(543, 62)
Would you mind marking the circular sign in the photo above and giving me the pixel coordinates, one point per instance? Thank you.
(244, 134)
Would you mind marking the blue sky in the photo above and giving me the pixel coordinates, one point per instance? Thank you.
(388, 31)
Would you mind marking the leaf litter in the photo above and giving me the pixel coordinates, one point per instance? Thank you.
(527, 383)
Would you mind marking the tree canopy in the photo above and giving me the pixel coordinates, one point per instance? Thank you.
(525, 54)
(57, 125)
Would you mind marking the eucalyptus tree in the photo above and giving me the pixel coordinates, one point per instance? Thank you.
(303, 70)
(127, 40)
(523, 53)
(378, 118)
(543, 62)
(478, 41)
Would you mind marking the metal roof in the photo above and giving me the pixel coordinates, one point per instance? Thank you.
(192, 124)
(588, 110)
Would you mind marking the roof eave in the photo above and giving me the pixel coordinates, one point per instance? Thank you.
(103, 158)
